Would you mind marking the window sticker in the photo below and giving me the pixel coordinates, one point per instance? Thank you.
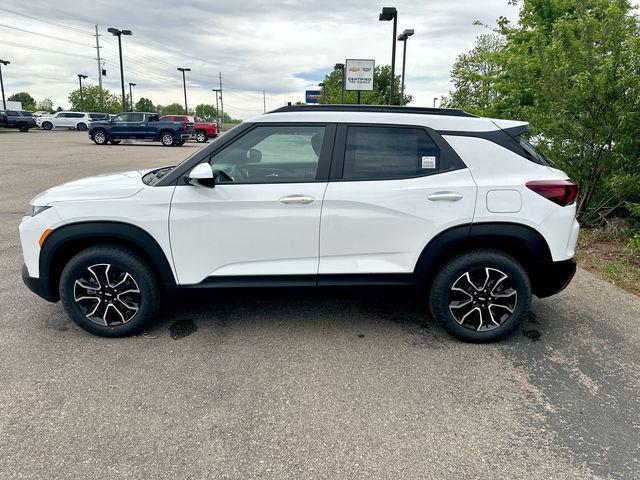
(428, 162)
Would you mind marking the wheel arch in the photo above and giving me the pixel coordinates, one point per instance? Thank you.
(523, 243)
(65, 242)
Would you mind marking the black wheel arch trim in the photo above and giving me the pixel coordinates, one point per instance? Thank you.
(105, 232)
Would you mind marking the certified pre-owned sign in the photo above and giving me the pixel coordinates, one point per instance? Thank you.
(359, 74)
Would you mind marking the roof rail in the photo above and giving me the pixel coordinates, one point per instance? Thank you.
(452, 112)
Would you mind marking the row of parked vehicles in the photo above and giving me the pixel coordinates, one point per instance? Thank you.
(171, 130)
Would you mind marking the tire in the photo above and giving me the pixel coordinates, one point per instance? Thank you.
(201, 137)
(181, 142)
(81, 127)
(127, 291)
(167, 139)
(484, 314)
(23, 127)
(115, 142)
(47, 125)
(100, 137)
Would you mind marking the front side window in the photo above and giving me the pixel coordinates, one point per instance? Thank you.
(389, 152)
(271, 154)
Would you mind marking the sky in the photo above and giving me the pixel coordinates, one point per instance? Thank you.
(281, 47)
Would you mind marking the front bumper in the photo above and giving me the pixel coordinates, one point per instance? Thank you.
(39, 286)
(553, 277)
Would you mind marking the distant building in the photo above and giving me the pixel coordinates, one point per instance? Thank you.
(12, 105)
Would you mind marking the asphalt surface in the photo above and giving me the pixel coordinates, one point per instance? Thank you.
(302, 386)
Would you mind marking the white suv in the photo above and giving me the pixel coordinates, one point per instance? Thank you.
(458, 207)
(73, 120)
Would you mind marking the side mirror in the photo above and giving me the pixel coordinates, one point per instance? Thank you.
(202, 174)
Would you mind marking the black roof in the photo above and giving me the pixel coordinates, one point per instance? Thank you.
(451, 112)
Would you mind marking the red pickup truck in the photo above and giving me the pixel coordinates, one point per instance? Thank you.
(203, 130)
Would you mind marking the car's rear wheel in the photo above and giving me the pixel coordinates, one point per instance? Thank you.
(81, 127)
(108, 291)
(480, 296)
(180, 142)
(23, 127)
(167, 139)
(100, 137)
(47, 125)
(201, 137)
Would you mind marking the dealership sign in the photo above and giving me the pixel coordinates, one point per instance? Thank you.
(311, 96)
(358, 74)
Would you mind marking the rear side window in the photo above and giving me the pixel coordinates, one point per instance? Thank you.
(389, 152)
(532, 154)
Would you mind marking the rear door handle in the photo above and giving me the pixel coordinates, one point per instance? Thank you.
(297, 200)
(445, 197)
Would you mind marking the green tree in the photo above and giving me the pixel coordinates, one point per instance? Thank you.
(378, 96)
(96, 100)
(206, 111)
(145, 105)
(171, 109)
(28, 102)
(572, 69)
(46, 105)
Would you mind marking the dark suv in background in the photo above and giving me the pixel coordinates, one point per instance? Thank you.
(22, 120)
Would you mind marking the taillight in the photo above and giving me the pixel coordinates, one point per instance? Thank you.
(562, 192)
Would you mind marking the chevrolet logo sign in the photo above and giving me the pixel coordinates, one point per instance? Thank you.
(354, 69)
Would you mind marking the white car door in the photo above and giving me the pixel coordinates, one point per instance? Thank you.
(392, 190)
(63, 120)
(262, 217)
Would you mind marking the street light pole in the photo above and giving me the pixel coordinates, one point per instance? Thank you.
(390, 13)
(340, 66)
(403, 37)
(215, 91)
(118, 33)
(184, 87)
(80, 77)
(4, 103)
(131, 94)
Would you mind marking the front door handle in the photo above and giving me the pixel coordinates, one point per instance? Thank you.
(445, 197)
(297, 200)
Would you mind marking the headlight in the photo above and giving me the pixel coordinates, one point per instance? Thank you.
(35, 209)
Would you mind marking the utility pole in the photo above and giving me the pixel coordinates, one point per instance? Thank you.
(221, 103)
(264, 102)
(3, 62)
(99, 68)
(434, 101)
(184, 86)
(215, 91)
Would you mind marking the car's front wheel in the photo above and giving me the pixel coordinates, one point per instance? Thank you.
(108, 291)
(480, 296)
(201, 137)
(100, 137)
(47, 125)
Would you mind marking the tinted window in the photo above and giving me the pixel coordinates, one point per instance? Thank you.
(75, 115)
(12, 114)
(98, 116)
(130, 117)
(153, 118)
(388, 152)
(26, 114)
(272, 154)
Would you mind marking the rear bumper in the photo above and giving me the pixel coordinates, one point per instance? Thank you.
(39, 286)
(553, 277)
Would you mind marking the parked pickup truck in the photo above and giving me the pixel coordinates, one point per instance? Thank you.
(23, 121)
(203, 131)
(138, 126)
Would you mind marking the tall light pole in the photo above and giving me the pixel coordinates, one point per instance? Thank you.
(435, 99)
(184, 87)
(403, 37)
(131, 94)
(80, 77)
(215, 91)
(340, 66)
(118, 33)
(387, 14)
(324, 97)
(4, 103)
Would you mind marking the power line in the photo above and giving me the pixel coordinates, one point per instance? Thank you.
(46, 21)
(44, 35)
(31, 47)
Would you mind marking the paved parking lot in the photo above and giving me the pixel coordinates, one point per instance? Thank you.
(302, 386)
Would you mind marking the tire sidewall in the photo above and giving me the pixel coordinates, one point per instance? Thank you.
(121, 258)
(95, 140)
(450, 272)
(201, 137)
(81, 127)
(23, 127)
(47, 125)
(166, 135)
